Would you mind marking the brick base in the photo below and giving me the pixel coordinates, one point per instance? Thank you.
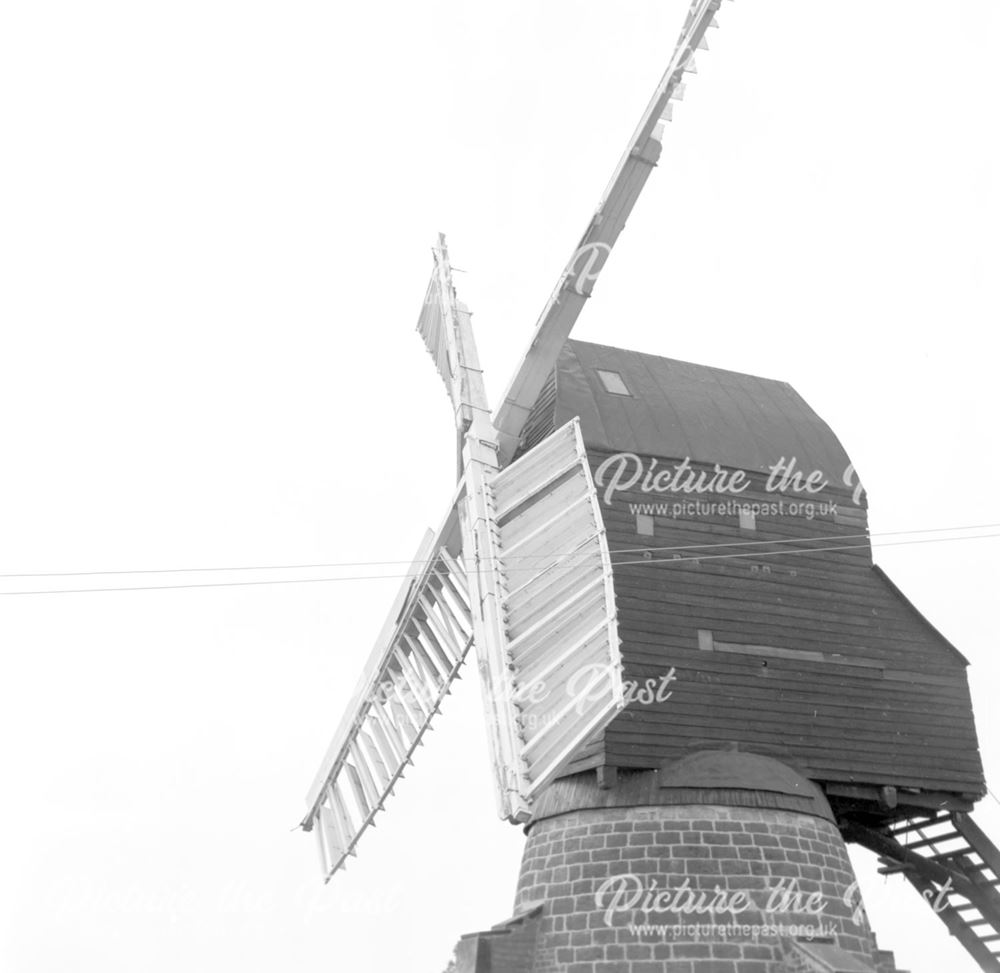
(689, 889)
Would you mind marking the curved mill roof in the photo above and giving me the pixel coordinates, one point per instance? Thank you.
(681, 410)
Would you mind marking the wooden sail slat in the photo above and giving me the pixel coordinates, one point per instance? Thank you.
(360, 763)
(409, 696)
(403, 718)
(456, 575)
(459, 598)
(377, 763)
(446, 620)
(430, 627)
(327, 860)
(358, 787)
(391, 744)
(335, 848)
(431, 672)
(342, 819)
(444, 663)
(416, 685)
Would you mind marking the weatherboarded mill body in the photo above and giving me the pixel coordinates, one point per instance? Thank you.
(697, 685)
(783, 695)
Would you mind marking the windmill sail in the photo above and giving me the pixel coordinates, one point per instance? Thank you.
(539, 576)
(445, 324)
(412, 666)
(556, 632)
(588, 259)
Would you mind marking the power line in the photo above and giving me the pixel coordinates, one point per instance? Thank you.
(799, 550)
(358, 564)
(383, 577)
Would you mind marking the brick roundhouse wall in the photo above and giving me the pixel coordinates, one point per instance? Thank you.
(568, 858)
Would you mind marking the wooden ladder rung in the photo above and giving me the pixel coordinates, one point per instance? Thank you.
(932, 841)
(925, 823)
(956, 853)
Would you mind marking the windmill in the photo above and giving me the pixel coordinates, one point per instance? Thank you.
(812, 686)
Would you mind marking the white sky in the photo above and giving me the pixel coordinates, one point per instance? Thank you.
(215, 221)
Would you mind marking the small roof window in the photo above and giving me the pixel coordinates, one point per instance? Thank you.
(612, 382)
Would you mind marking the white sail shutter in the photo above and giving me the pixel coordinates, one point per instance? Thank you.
(558, 631)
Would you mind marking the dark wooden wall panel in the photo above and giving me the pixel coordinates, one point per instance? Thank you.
(888, 705)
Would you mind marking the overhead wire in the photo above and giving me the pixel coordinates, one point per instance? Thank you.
(515, 557)
(641, 561)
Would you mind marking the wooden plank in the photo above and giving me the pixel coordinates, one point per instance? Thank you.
(816, 763)
(821, 769)
(648, 645)
(827, 590)
(781, 729)
(901, 712)
(645, 650)
(756, 625)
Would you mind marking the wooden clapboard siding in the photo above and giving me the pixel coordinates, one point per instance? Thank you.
(590, 755)
(889, 704)
(887, 701)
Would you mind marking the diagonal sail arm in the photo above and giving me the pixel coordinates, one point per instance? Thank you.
(588, 259)
(411, 668)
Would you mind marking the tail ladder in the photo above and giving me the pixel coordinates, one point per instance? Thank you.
(955, 867)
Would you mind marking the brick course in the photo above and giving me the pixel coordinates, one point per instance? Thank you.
(742, 859)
